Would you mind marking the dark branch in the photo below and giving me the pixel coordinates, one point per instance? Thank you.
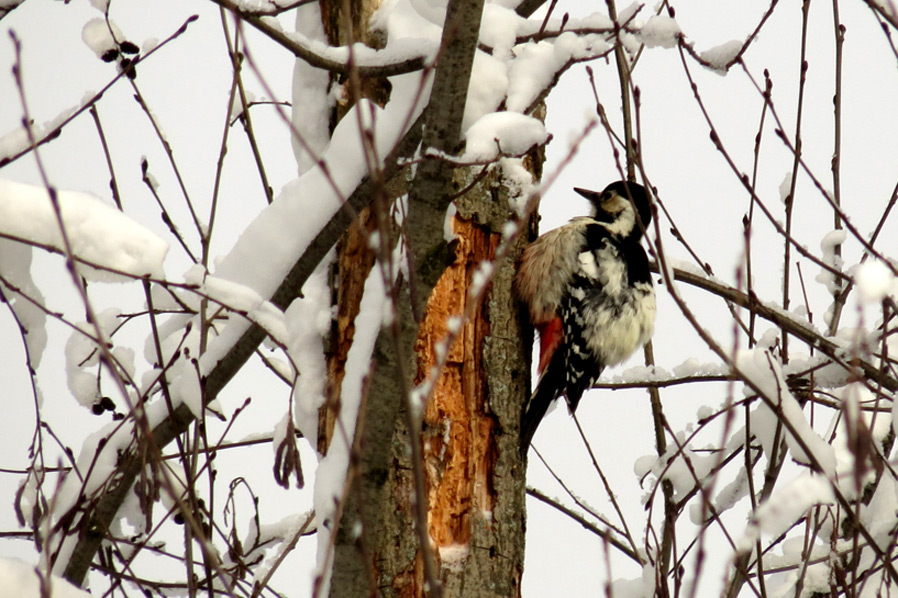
(300, 51)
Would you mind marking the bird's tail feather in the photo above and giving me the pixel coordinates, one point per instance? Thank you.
(549, 387)
(552, 384)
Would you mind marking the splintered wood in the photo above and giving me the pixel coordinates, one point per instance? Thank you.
(457, 436)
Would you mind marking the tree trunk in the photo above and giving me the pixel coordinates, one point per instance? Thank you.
(467, 436)
(474, 474)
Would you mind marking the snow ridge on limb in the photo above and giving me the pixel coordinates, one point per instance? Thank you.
(368, 62)
(99, 234)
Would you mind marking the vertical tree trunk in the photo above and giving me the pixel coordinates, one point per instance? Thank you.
(475, 476)
(355, 258)
(474, 472)
(469, 433)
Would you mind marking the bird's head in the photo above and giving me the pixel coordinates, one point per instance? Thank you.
(613, 207)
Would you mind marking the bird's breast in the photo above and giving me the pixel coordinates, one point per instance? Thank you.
(618, 315)
(620, 323)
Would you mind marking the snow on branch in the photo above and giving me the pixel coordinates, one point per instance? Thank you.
(98, 232)
(397, 60)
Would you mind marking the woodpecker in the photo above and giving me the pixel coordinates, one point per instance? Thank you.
(589, 295)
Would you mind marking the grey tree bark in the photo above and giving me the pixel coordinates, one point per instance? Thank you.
(410, 520)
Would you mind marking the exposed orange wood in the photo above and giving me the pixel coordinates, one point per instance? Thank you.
(354, 261)
(458, 443)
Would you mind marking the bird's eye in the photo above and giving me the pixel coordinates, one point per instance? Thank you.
(606, 196)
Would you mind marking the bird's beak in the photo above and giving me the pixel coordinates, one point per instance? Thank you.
(593, 196)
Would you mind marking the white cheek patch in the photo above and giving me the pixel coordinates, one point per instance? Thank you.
(625, 222)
